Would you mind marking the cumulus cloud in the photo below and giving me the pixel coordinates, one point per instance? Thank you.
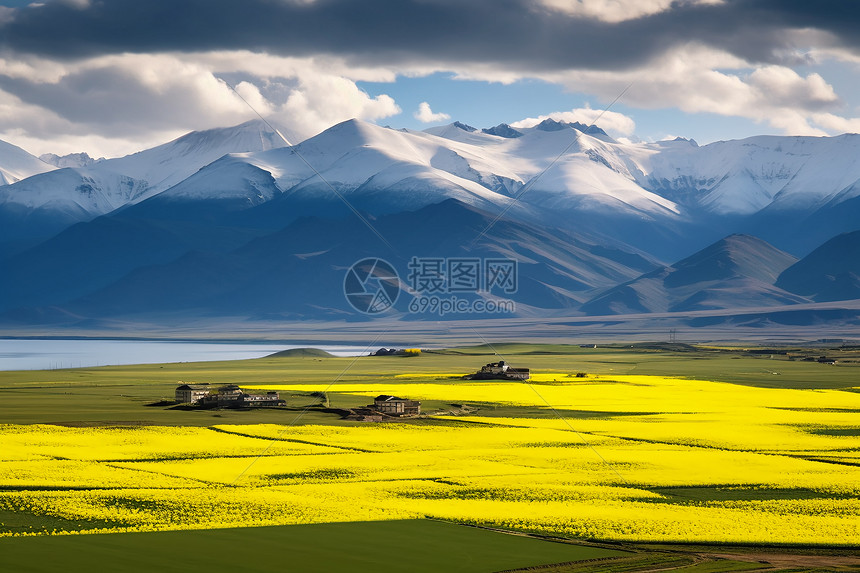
(426, 115)
(837, 124)
(699, 79)
(612, 122)
(320, 101)
(130, 71)
(616, 10)
(126, 102)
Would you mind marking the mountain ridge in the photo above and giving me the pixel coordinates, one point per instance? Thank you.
(591, 226)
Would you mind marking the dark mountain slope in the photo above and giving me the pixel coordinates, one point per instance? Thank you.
(830, 272)
(299, 271)
(738, 271)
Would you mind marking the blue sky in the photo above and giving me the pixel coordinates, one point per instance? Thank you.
(111, 77)
(485, 104)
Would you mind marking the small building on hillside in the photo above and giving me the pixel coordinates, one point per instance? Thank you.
(191, 393)
(394, 406)
(266, 400)
(500, 371)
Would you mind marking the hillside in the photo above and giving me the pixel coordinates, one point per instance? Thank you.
(830, 272)
(735, 272)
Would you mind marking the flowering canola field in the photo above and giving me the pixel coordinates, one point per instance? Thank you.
(641, 458)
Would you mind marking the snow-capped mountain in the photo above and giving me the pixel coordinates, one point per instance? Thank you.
(739, 177)
(381, 170)
(583, 213)
(166, 165)
(16, 164)
(564, 168)
(668, 197)
(360, 159)
(52, 199)
(746, 176)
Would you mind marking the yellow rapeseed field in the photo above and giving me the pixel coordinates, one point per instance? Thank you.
(658, 459)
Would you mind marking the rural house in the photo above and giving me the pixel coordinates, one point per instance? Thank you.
(394, 406)
(500, 371)
(228, 396)
(190, 393)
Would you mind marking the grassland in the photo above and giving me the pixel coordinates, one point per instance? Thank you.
(650, 444)
(380, 546)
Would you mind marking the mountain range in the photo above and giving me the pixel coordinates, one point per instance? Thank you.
(234, 222)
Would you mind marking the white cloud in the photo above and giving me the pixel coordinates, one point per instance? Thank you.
(702, 80)
(615, 11)
(322, 100)
(118, 104)
(79, 4)
(699, 79)
(836, 124)
(268, 66)
(784, 87)
(255, 100)
(426, 115)
(614, 123)
(39, 131)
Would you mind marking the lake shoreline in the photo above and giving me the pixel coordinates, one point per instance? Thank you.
(61, 353)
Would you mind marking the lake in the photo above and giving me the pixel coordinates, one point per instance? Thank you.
(44, 354)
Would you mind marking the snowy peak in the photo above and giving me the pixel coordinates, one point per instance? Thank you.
(71, 160)
(550, 124)
(745, 176)
(82, 193)
(16, 164)
(384, 169)
(389, 168)
(86, 191)
(168, 164)
(503, 130)
(464, 127)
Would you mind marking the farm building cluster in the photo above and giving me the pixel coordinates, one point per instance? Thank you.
(397, 352)
(229, 396)
(500, 371)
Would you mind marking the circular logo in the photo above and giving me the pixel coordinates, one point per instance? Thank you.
(371, 286)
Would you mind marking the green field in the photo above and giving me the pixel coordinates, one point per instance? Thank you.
(657, 443)
(382, 546)
(122, 394)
